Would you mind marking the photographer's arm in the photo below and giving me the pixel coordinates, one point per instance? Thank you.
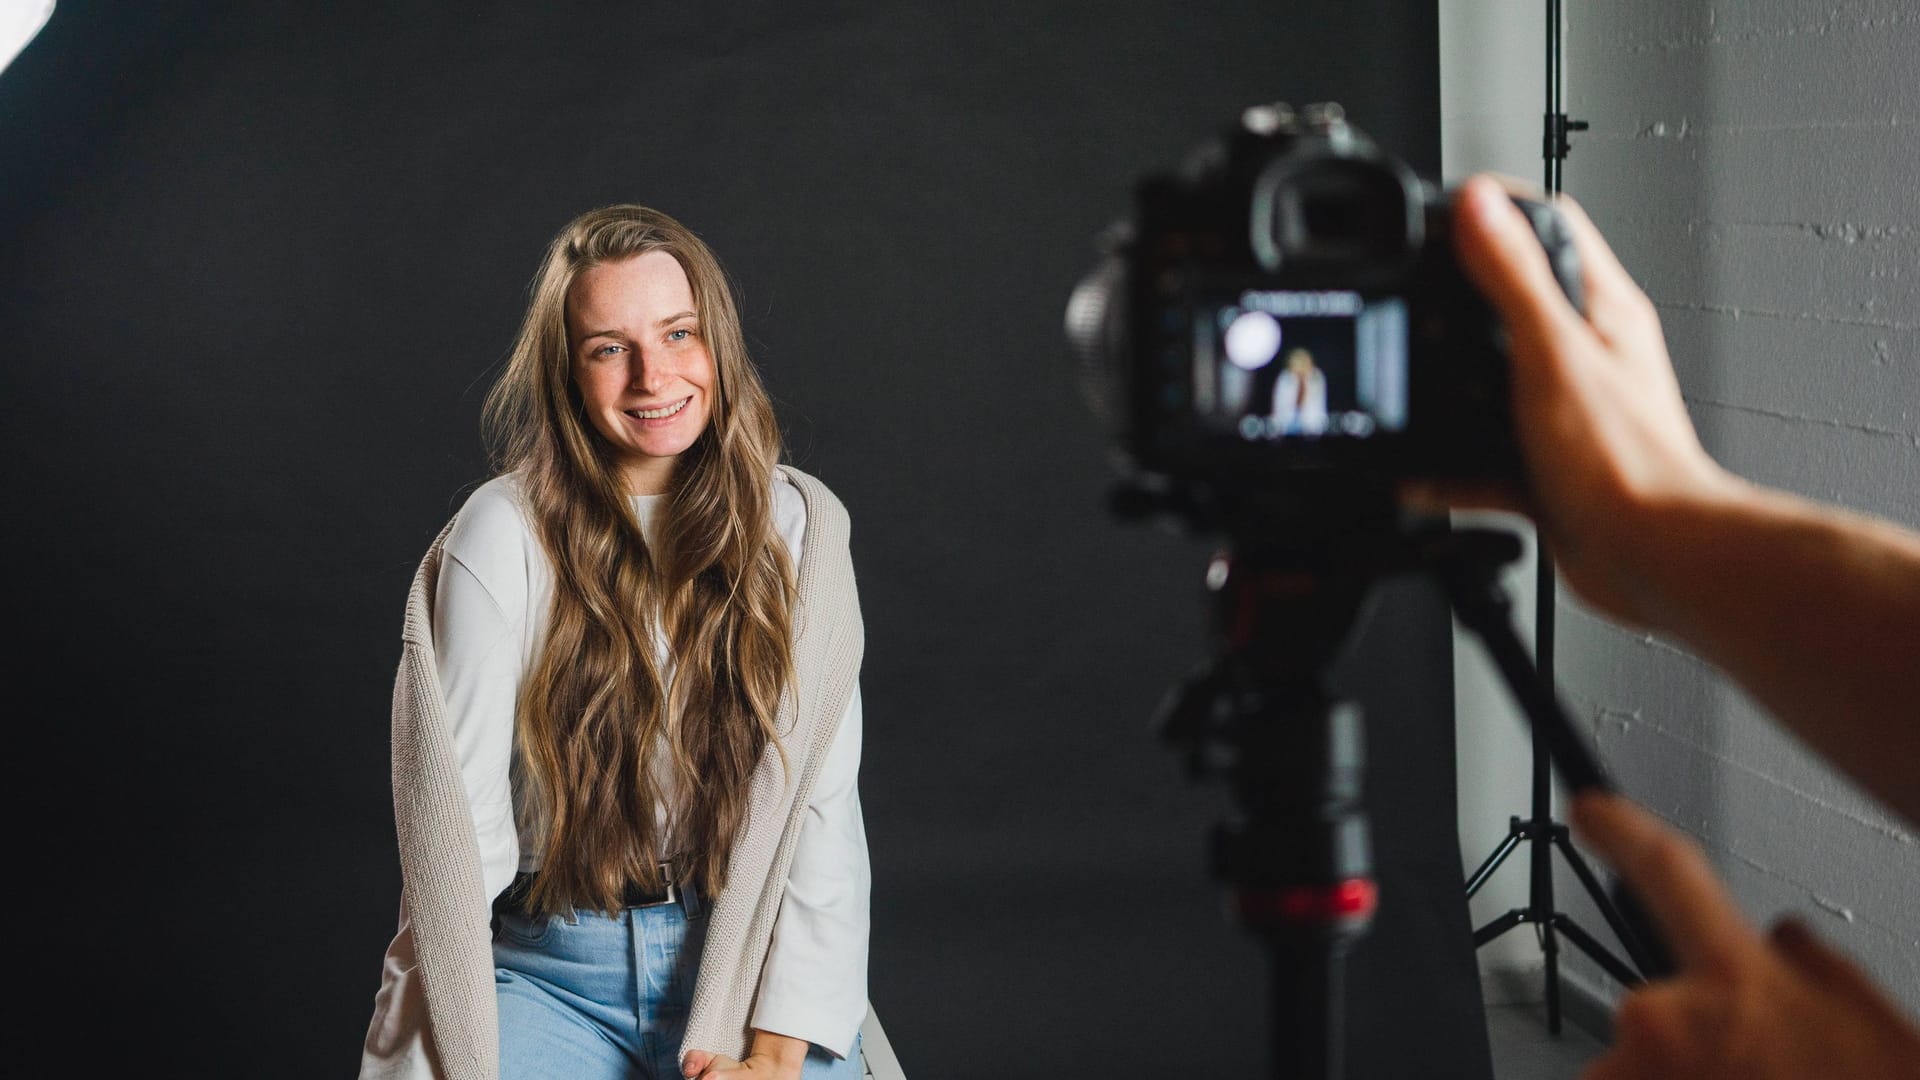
(1813, 610)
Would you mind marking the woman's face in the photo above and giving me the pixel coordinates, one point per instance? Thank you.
(640, 363)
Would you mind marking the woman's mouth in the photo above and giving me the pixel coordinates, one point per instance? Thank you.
(662, 413)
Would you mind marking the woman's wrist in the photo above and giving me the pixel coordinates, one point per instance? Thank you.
(782, 1050)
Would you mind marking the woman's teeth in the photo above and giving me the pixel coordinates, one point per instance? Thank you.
(655, 414)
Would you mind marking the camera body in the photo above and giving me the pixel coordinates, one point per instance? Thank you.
(1287, 310)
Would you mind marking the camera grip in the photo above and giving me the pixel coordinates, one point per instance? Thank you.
(1557, 239)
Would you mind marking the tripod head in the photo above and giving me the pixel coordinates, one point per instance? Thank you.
(1260, 715)
(1289, 592)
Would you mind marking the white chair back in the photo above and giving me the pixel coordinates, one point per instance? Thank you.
(876, 1053)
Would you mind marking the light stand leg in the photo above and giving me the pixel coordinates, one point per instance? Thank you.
(1480, 876)
(1499, 926)
(1472, 583)
(1637, 950)
(1597, 951)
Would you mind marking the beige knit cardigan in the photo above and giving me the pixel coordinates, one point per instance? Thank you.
(440, 858)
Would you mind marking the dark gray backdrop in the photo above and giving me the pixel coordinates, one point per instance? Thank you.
(257, 265)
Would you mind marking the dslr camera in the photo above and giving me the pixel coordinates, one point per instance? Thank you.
(1285, 314)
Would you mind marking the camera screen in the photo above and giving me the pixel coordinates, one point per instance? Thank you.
(1271, 364)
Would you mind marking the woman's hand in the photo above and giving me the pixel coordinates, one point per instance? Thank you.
(1743, 1005)
(774, 1057)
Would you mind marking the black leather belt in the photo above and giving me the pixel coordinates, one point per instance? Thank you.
(636, 896)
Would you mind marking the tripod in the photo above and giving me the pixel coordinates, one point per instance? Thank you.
(1296, 849)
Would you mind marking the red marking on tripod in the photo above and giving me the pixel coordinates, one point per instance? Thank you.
(1351, 900)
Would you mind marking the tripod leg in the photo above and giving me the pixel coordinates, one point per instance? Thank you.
(1598, 951)
(1636, 949)
(1494, 860)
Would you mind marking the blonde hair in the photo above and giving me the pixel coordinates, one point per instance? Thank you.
(595, 709)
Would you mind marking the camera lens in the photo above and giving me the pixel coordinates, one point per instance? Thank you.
(1096, 332)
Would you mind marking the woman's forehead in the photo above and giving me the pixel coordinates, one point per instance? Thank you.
(630, 292)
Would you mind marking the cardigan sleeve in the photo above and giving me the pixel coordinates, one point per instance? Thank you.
(814, 984)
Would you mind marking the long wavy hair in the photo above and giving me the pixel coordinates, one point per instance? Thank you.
(596, 709)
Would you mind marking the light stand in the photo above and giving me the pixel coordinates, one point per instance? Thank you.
(1540, 830)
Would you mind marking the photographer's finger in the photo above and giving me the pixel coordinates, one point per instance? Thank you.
(1503, 257)
(1840, 976)
(1671, 876)
(1818, 962)
(1518, 185)
(1613, 299)
(1615, 302)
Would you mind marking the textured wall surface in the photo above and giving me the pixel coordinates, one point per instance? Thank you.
(1753, 164)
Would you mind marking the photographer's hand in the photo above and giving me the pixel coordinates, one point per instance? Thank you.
(1603, 430)
(1742, 1005)
(1813, 610)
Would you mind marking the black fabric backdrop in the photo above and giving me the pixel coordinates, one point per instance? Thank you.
(259, 264)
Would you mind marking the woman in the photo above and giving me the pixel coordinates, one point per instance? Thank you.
(627, 719)
(1300, 397)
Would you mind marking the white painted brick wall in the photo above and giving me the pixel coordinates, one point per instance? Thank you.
(1757, 167)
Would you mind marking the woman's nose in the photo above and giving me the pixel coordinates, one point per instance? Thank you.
(645, 374)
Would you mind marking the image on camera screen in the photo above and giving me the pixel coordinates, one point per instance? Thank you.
(1272, 364)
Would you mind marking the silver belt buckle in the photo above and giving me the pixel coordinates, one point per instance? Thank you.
(673, 888)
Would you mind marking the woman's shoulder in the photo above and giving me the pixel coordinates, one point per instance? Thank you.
(811, 503)
(789, 511)
(492, 534)
(808, 493)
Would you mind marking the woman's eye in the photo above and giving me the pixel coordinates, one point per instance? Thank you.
(605, 350)
(681, 334)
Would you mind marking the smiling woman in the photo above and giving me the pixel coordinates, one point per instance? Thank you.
(604, 670)
(644, 377)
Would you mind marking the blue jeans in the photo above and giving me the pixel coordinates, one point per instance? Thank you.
(590, 996)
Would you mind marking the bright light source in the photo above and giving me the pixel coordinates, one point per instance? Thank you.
(1253, 340)
(19, 21)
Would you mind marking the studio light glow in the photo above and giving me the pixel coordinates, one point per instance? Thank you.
(1253, 340)
(20, 20)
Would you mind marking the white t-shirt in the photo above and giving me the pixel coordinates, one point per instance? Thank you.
(491, 607)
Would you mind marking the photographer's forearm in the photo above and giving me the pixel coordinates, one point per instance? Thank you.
(1814, 611)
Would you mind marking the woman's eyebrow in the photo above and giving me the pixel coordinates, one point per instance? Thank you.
(674, 318)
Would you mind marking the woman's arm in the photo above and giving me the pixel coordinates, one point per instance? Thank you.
(814, 985)
(813, 989)
(480, 627)
(477, 659)
(477, 655)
